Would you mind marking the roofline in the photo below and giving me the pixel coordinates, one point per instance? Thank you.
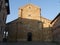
(11, 21)
(45, 18)
(55, 18)
(29, 4)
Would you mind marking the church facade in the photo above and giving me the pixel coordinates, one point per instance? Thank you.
(29, 26)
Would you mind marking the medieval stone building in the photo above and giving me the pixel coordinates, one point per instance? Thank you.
(30, 25)
(56, 28)
(4, 11)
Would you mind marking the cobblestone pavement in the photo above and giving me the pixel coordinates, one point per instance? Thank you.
(28, 43)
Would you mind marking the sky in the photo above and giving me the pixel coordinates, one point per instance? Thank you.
(49, 8)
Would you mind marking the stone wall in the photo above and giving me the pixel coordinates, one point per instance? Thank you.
(3, 16)
(29, 20)
(56, 28)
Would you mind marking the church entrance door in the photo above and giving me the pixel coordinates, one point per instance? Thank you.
(29, 36)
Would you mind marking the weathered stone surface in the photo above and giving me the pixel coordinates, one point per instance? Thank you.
(56, 28)
(3, 16)
(29, 20)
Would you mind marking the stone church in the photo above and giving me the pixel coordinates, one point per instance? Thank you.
(29, 26)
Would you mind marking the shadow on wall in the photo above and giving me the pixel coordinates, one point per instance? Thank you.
(19, 28)
(56, 28)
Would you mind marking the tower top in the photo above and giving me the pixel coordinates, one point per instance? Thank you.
(29, 5)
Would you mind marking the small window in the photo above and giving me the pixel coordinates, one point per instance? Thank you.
(39, 22)
(29, 15)
(29, 7)
(21, 22)
(6, 4)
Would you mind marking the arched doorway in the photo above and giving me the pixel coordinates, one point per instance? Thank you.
(29, 36)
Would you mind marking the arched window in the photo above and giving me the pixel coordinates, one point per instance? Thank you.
(5, 34)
